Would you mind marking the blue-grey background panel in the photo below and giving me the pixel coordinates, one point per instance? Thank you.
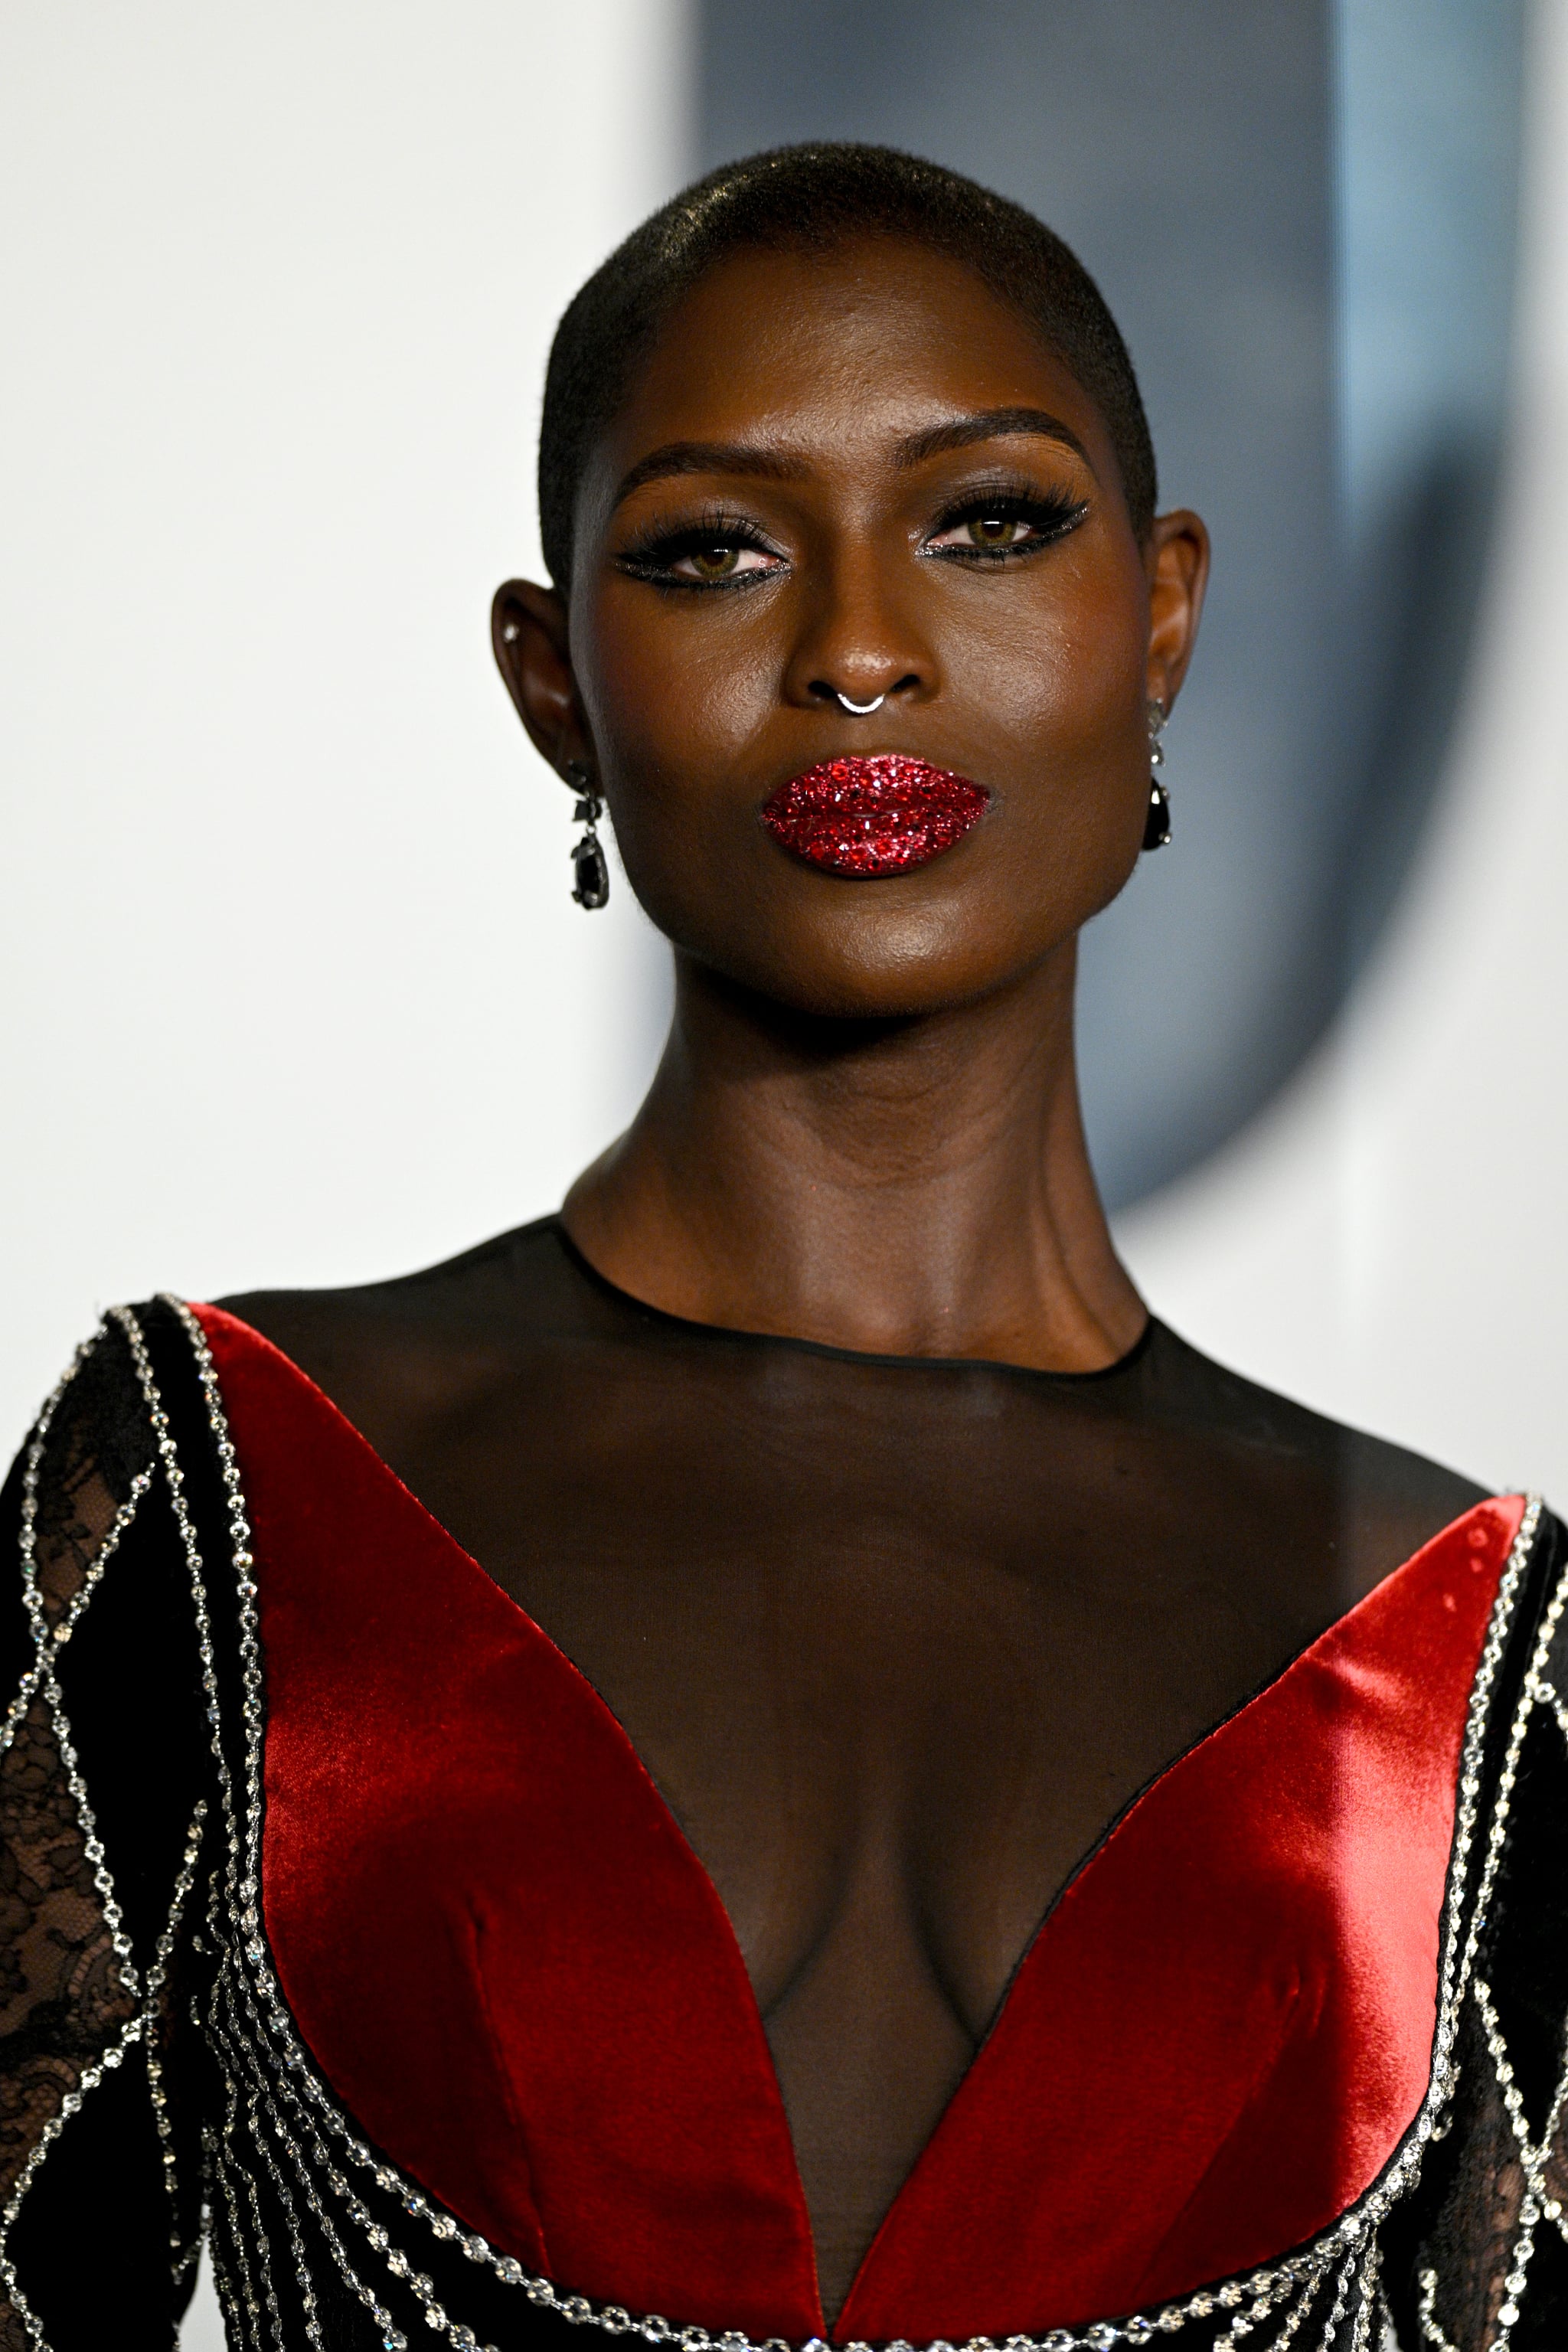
(1427, 105)
(1197, 160)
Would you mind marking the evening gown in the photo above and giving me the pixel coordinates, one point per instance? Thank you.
(448, 1724)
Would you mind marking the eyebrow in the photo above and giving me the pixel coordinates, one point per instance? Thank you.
(989, 424)
(773, 464)
(709, 457)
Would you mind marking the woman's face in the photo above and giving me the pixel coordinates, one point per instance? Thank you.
(852, 475)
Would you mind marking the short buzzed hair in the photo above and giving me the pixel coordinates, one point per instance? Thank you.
(813, 198)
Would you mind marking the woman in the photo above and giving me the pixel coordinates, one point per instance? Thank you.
(944, 1814)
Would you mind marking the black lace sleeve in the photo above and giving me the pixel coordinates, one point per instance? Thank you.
(1483, 2259)
(102, 1810)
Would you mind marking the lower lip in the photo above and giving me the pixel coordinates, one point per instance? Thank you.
(881, 815)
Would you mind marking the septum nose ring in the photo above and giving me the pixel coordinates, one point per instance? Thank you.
(858, 709)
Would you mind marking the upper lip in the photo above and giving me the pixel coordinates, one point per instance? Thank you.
(845, 780)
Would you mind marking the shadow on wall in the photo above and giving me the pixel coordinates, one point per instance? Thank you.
(1308, 240)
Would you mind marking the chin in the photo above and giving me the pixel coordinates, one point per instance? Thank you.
(864, 949)
(902, 981)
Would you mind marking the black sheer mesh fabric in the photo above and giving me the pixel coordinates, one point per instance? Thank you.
(898, 1639)
(63, 1989)
(1480, 2255)
(1504, 2187)
(86, 1830)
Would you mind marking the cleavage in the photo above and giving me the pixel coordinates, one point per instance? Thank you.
(888, 1765)
(896, 1644)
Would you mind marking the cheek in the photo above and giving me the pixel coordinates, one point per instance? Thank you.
(1066, 673)
(1055, 699)
(668, 697)
(676, 706)
(1067, 692)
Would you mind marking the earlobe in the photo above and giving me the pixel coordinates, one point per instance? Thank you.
(529, 639)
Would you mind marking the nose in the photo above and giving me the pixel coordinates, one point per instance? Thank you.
(858, 647)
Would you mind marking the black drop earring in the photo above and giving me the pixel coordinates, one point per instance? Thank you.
(1157, 823)
(590, 868)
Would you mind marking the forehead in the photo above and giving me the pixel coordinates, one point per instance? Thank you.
(841, 351)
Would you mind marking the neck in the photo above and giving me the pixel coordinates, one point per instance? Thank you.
(918, 1187)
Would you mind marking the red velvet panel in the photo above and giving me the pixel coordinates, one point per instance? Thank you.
(495, 1940)
(513, 1969)
(1226, 2025)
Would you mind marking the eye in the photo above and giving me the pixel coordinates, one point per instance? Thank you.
(991, 532)
(718, 551)
(990, 528)
(720, 561)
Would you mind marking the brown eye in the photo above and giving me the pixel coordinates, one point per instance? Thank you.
(714, 562)
(705, 556)
(708, 563)
(996, 531)
(1016, 525)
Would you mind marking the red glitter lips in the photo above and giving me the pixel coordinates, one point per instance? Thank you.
(879, 815)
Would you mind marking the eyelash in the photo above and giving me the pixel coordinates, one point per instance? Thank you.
(1052, 516)
(652, 556)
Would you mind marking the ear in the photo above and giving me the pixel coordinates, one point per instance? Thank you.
(1178, 566)
(528, 633)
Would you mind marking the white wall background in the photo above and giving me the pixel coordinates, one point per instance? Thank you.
(1391, 1242)
(292, 986)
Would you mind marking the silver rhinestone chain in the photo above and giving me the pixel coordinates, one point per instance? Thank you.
(257, 2042)
(1430, 2331)
(1551, 1697)
(1533, 2154)
(1469, 1783)
(43, 1678)
(224, 2168)
(50, 2132)
(1367, 2306)
(16, 1714)
(157, 1976)
(1341, 2296)
(40, 1678)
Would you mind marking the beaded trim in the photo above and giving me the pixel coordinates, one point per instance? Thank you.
(39, 1680)
(281, 2122)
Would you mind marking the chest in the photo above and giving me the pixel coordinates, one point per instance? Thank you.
(512, 1966)
(914, 1675)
